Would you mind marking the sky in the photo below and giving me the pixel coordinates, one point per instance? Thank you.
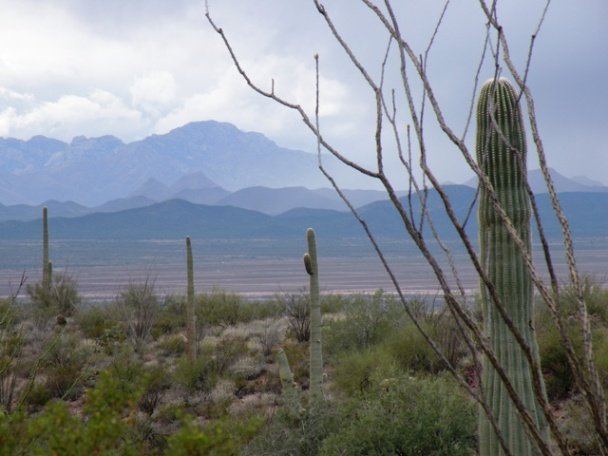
(138, 67)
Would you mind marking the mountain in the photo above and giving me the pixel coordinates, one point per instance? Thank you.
(278, 200)
(24, 212)
(92, 171)
(562, 183)
(587, 214)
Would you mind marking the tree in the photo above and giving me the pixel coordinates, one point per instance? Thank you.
(411, 145)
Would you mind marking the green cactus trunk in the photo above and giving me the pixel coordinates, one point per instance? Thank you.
(316, 354)
(288, 388)
(190, 311)
(46, 280)
(501, 154)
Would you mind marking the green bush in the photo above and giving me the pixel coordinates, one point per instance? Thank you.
(355, 371)
(138, 308)
(171, 316)
(94, 321)
(367, 321)
(108, 425)
(155, 383)
(559, 379)
(303, 434)
(595, 296)
(250, 311)
(174, 345)
(411, 351)
(405, 416)
(218, 308)
(65, 366)
(200, 375)
(61, 298)
(217, 438)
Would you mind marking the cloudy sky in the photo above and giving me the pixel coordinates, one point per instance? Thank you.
(137, 67)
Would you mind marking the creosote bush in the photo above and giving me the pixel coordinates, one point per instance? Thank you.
(297, 312)
(138, 307)
(61, 297)
(405, 416)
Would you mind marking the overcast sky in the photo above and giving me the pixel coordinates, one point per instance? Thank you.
(132, 68)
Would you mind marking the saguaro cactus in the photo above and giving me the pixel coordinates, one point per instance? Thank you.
(316, 353)
(501, 154)
(190, 311)
(46, 278)
(288, 387)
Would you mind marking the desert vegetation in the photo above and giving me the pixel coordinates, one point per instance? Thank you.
(212, 373)
(95, 384)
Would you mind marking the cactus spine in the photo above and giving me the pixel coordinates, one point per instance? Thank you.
(316, 354)
(501, 154)
(190, 311)
(46, 270)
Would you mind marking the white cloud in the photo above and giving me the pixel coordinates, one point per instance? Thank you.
(153, 91)
(100, 112)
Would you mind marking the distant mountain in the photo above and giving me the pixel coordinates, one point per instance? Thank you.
(277, 200)
(92, 171)
(562, 183)
(24, 212)
(587, 214)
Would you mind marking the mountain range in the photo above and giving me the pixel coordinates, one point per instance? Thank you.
(174, 219)
(92, 171)
(202, 162)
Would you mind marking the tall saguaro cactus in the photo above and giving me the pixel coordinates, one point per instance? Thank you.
(46, 270)
(316, 353)
(190, 311)
(501, 154)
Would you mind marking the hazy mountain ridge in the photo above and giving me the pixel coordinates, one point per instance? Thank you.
(562, 183)
(173, 219)
(92, 171)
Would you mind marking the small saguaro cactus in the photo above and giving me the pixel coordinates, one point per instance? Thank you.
(501, 155)
(316, 353)
(288, 386)
(46, 278)
(190, 311)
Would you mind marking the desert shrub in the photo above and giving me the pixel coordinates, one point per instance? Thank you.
(227, 351)
(270, 338)
(38, 396)
(155, 383)
(355, 372)
(575, 427)
(411, 351)
(289, 434)
(297, 311)
(405, 416)
(11, 362)
(334, 303)
(367, 321)
(559, 379)
(60, 298)
(200, 375)
(217, 438)
(171, 316)
(108, 425)
(299, 360)
(138, 307)
(65, 366)
(94, 321)
(595, 296)
(174, 345)
(250, 311)
(218, 308)
(554, 361)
